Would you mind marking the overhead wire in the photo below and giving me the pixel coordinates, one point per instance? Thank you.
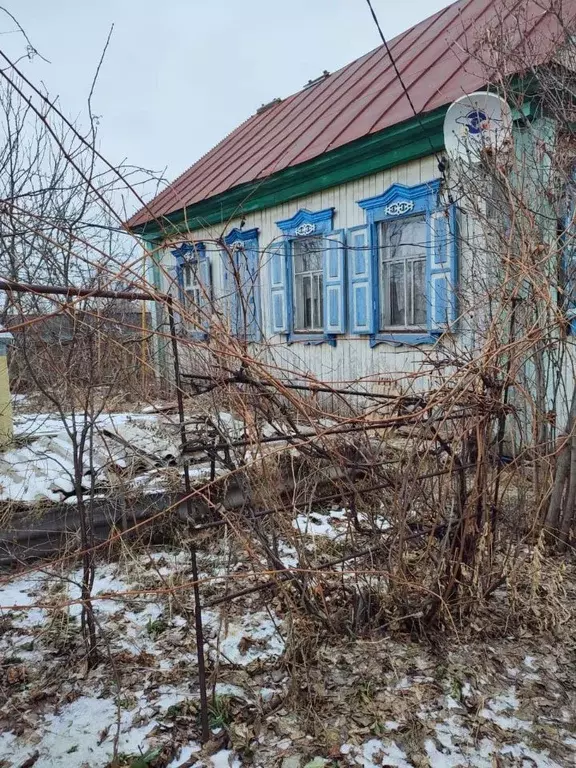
(441, 161)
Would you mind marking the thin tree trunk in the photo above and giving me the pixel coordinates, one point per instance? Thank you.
(562, 469)
(568, 513)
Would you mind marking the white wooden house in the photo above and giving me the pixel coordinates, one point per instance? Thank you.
(322, 224)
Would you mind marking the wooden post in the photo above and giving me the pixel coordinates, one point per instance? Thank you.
(6, 420)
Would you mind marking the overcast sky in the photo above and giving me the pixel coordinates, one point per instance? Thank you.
(181, 74)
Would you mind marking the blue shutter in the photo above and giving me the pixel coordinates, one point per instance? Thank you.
(205, 277)
(360, 271)
(232, 288)
(242, 288)
(442, 269)
(334, 283)
(175, 278)
(229, 301)
(250, 286)
(278, 286)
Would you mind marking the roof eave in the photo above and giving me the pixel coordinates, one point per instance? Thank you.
(398, 144)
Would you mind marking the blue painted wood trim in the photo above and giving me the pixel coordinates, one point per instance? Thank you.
(249, 236)
(311, 339)
(360, 282)
(403, 339)
(188, 249)
(241, 234)
(373, 239)
(317, 223)
(334, 285)
(292, 337)
(182, 254)
(196, 335)
(399, 200)
(277, 285)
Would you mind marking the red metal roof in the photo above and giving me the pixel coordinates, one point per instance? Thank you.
(360, 99)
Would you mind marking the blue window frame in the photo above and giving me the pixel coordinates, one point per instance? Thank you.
(402, 291)
(242, 283)
(307, 279)
(194, 280)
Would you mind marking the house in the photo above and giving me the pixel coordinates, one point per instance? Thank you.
(324, 224)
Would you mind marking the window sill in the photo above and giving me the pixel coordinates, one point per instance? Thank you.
(311, 339)
(410, 339)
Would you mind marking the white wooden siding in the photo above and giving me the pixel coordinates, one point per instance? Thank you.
(352, 358)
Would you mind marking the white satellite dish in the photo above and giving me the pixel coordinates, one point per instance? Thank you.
(476, 125)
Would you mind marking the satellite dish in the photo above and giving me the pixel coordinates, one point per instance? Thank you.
(478, 125)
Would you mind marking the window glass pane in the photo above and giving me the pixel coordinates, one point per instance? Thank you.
(307, 282)
(385, 294)
(403, 267)
(299, 263)
(409, 294)
(317, 320)
(308, 275)
(404, 238)
(193, 294)
(397, 302)
(308, 254)
(298, 301)
(420, 300)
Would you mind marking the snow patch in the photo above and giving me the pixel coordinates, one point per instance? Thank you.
(244, 639)
(527, 755)
(70, 738)
(331, 524)
(376, 753)
(185, 754)
(225, 759)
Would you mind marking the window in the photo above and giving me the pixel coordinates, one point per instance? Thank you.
(308, 255)
(194, 286)
(241, 261)
(403, 270)
(193, 298)
(402, 245)
(307, 277)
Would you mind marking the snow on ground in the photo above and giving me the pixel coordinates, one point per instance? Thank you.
(184, 755)
(332, 524)
(79, 734)
(245, 639)
(32, 425)
(382, 702)
(375, 752)
(137, 449)
(41, 466)
(82, 732)
(23, 592)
